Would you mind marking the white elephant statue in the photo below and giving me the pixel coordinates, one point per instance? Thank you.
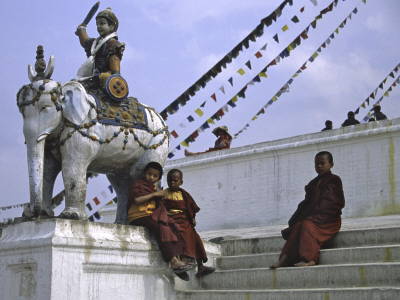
(63, 131)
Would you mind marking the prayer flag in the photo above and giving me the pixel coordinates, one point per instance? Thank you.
(199, 112)
(302, 9)
(295, 19)
(258, 54)
(97, 215)
(222, 89)
(185, 144)
(235, 99)
(190, 118)
(89, 206)
(262, 74)
(255, 117)
(230, 102)
(96, 201)
(275, 37)
(210, 121)
(241, 71)
(174, 134)
(264, 47)
(111, 189)
(203, 104)
(205, 125)
(285, 28)
(231, 81)
(214, 97)
(248, 64)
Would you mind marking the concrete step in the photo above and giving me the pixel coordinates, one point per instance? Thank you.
(369, 254)
(321, 276)
(348, 238)
(364, 293)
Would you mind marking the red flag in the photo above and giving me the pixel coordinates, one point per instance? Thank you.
(96, 201)
(214, 97)
(174, 134)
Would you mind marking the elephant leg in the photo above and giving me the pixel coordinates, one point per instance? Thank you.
(74, 176)
(121, 185)
(52, 168)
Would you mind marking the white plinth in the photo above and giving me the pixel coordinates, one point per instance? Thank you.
(63, 259)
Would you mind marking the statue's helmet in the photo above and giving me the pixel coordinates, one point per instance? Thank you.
(109, 15)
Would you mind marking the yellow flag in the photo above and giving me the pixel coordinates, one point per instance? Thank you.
(241, 71)
(274, 98)
(255, 117)
(235, 99)
(386, 94)
(284, 28)
(185, 144)
(210, 121)
(199, 112)
(315, 55)
(262, 74)
(363, 105)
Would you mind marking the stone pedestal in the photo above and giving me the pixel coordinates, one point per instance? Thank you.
(64, 259)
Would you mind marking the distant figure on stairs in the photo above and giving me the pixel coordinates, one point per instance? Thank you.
(317, 218)
(223, 141)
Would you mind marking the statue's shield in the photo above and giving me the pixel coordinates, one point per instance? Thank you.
(117, 87)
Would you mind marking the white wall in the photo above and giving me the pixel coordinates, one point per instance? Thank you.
(262, 184)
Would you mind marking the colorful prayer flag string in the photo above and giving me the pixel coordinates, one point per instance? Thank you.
(285, 87)
(296, 42)
(374, 92)
(217, 68)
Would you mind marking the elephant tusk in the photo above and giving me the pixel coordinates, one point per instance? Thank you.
(31, 73)
(42, 136)
(50, 68)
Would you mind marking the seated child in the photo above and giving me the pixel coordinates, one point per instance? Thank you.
(142, 202)
(182, 208)
(317, 218)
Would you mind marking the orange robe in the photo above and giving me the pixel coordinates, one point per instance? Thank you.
(316, 220)
(188, 208)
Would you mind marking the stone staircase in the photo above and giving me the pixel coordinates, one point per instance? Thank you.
(361, 263)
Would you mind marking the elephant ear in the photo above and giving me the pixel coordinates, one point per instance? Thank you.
(75, 102)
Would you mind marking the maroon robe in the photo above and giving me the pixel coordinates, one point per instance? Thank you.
(316, 220)
(194, 247)
(159, 223)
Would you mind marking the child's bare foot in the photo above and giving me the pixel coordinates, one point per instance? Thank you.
(282, 262)
(176, 263)
(305, 264)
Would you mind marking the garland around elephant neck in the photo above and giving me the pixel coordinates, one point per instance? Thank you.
(127, 130)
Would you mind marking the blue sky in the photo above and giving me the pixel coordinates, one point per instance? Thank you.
(171, 44)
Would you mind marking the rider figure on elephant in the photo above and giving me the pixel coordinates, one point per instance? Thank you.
(104, 53)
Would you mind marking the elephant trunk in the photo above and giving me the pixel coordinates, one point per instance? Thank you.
(35, 150)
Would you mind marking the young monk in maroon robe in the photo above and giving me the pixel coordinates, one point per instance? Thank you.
(317, 218)
(142, 202)
(182, 208)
